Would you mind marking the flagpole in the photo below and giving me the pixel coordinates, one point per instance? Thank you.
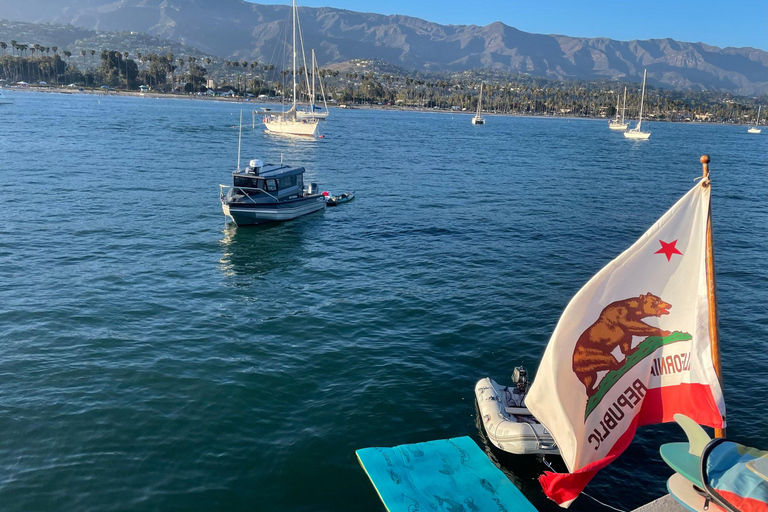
(714, 333)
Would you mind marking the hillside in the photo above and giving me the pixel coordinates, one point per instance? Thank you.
(234, 28)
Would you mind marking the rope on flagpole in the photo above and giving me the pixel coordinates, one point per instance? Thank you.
(603, 504)
(546, 463)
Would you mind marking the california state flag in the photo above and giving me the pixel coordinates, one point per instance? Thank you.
(632, 348)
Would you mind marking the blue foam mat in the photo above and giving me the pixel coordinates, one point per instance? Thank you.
(446, 475)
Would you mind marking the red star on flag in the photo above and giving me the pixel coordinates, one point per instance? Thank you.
(668, 249)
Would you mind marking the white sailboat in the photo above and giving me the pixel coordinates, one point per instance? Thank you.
(756, 128)
(616, 124)
(311, 114)
(637, 133)
(289, 123)
(478, 119)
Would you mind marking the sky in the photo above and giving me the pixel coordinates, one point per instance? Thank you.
(717, 22)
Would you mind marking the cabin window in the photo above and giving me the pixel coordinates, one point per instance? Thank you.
(287, 182)
(271, 185)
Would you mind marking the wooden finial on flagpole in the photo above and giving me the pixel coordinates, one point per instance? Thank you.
(714, 333)
(705, 167)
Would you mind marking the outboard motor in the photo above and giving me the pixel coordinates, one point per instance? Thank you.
(520, 379)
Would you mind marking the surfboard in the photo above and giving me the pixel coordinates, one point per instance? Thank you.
(678, 457)
(683, 491)
(685, 458)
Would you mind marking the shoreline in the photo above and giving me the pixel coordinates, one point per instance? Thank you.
(256, 101)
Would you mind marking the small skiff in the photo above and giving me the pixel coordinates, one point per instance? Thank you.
(509, 427)
(341, 198)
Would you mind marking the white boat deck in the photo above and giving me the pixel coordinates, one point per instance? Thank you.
(664, 504)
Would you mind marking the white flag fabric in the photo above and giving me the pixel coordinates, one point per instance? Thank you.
(632, 348)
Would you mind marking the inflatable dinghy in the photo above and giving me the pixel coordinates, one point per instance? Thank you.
(341, 198)
(510, 426)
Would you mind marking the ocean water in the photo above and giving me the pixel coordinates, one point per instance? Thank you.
(153, 357)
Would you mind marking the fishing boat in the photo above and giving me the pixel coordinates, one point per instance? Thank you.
(289, 123)
(637, 132)
(311, 113)
(756, 128)
(263, 193)
(341, 198)
(508, 424)
(478, 119)
(615, 124)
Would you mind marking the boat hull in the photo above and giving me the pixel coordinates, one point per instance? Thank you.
(637, 135)
(618, 126)
(478, 120)
(754, 130)
(509, 431)
(290, 127)
(250, 214)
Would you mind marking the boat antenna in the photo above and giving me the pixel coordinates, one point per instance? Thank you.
(239, 139)
(714, 333)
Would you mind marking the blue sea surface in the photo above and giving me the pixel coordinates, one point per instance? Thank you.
(153, 357)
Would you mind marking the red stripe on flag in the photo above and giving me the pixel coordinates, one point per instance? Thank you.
(659, 405)
(563, 487)
(693, 400)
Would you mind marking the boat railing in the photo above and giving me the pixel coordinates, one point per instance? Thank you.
(222, 192)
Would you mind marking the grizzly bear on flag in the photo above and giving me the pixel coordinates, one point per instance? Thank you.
(616, 325)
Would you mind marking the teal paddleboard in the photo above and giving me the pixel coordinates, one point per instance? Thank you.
(678, 457)
(445, 475)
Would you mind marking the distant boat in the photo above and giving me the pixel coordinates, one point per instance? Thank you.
(756, 128)
(478, 119)
(311, 114)
(616, 124)
(5, 100)
(289, 123)
(637, 132)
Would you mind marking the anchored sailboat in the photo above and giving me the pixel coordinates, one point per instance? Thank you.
(637, 132)
(478, 119)
(311, 114)
(289, 122)
(756, 128)
(616, 124)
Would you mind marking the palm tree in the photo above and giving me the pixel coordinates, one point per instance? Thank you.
(125, 58)
(192, 61)
(181, 68)
(67, 54)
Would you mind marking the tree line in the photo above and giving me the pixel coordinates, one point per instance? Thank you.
(505, 94)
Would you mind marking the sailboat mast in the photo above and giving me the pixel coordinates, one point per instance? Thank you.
(642, 99)
(312, 103)
(714, 333)
(624, 108)
(294, 54)
(239, 139)
(480, 100)
(758, 115)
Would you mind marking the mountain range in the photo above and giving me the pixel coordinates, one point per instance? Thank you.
(243, 30)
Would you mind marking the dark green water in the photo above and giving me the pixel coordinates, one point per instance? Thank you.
(152, 358)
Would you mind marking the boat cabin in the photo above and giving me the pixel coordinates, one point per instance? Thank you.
(276, 180)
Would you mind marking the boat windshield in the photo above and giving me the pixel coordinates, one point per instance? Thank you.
(243, 181)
